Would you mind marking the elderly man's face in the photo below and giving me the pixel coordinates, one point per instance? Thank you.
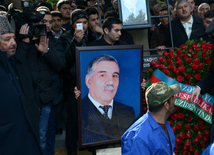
(104, 82)
(183, 10)
(8, 44)
(203, 9)
(164, 20)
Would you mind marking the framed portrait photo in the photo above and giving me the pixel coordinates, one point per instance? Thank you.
(134, 13)
(109, 79)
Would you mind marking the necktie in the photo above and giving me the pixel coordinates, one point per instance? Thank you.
(105, 108)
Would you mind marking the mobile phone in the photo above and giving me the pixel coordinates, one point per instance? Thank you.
(79, 26)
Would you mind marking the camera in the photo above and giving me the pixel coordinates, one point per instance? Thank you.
(30, 18)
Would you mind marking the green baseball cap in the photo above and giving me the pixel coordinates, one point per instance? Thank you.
(160, 92)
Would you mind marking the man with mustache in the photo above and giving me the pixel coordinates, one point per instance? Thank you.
(57, 28)
(182, 25)
(103, 118)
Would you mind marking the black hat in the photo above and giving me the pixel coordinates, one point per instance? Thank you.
(76, 14)
(3, 8)
(56, 13)
(210, 28)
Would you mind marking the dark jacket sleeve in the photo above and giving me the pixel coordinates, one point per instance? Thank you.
(23, 48)
(207, 82)
(52, 58)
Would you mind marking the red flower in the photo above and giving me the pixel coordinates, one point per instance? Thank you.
(205, 49)
(187, 127)
(203, 45)
(189, 60)
(196, 153)
(185, 148)
(188, 135)
(173, 129)
(190, 112)
(169, 61)
(177, 108)
(176, 71)
(195, 128)
(165, 53)
(180, 115)
(189, 118)
(181, 135)
(197, 49)
(209, 46)
(179, 78)
(191, 149)
(200, 136)
(170, 123)
(187, 143)
(174, 117)
(166, 71)
(196, 141)
(199, 120)
(194, 55)
(178, 126)
(177, 140)
(190, 50)
(179, 63)
(210, 55)
(202, 126)
(201, 66)
(206, 133)
(162, 59)
(198, 77)
(171, 50)
(196, 61)
(177, 57)
(149, 69)
(194, 66)
(188, 83)
(152, 62)
(179, 52)
(184, 56)
(156, 65)
(193, 45)
(188, 76)
(183, 46)
(170, 54)
(176, 151)
(203, 145)
(207, 60)
(205, 139)
(162, 66)
(204, 54)
(171, 67)
(181, 69)
(176, 146)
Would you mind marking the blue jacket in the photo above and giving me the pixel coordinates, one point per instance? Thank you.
(146, 137)
(209, 150)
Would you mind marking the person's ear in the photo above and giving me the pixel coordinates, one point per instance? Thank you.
(88, 81)
(166, 105)
(106, 31)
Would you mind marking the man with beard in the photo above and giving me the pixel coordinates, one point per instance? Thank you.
(151, 134)
(57, 29)
(182, 25)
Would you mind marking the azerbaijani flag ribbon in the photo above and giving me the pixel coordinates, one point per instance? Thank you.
(202, 107)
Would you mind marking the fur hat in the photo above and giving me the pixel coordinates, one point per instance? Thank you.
(76, 14)
(5, 25)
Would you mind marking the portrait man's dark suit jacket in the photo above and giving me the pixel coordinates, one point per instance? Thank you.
(96, 128)
(179, 33)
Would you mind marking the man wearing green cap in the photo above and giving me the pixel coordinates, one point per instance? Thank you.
(151, 134)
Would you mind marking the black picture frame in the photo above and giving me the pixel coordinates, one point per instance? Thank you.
(136, 17)
(129, 92)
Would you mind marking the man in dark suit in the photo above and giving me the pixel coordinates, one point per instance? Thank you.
(182, 25)
(103, 118)
(207, 82)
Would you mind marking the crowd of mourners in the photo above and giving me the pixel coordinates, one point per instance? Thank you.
(40, 71)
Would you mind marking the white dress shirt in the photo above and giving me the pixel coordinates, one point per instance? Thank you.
(188, 26)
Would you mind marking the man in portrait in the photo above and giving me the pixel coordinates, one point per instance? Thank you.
(103, 118)
(134, 9)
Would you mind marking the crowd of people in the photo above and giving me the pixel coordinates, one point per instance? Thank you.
(38, 72)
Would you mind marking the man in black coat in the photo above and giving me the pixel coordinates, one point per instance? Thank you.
(71, 39)
(17, 132)
(112, 32)
(182, 25)
(207, 83)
